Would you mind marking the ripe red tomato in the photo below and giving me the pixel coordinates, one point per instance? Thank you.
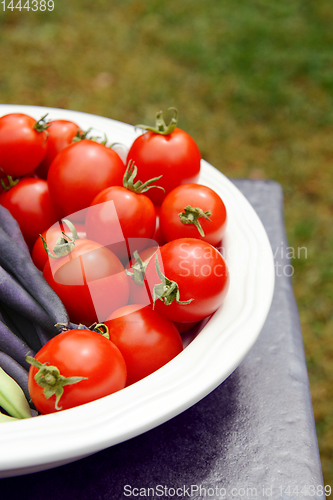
(184, 210)
(79, 172)
(22, 143)
(60, 134)
(175, 156)
(77, 353)
(30, 204)
(146, 339)
(197, 280)
(134, 212)
(90, 281)
(51, 236)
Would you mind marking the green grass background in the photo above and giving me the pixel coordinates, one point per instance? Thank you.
(253, 82)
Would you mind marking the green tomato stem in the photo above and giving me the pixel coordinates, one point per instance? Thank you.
(11, 183)
(64, 245)
(50, 379)
(167, 291)
(191, 216)
(81, 135)
(42, 124)
(137, 187)
(160, 126)
(137, 273)
(100, 328)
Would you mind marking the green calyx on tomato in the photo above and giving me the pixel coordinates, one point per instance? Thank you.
(100, 328)
(50, 378)
(138, 187)
(64, 245)
(160, 125)
(168, 290)
(42, 125)
(11, 183)
(138, 269)
(191, 216)
(96, 138)
(81, 135)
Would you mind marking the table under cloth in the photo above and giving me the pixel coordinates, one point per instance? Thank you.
(252, 437)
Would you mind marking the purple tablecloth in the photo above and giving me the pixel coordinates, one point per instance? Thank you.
(252, 437)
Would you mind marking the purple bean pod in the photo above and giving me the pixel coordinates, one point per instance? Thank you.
(14, 260)
(13, 295)
(16, 371)
(14, 347)
(12, 228)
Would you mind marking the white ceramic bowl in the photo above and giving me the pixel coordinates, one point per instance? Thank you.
(50, 440)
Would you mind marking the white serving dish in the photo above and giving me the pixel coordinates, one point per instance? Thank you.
(48, 441)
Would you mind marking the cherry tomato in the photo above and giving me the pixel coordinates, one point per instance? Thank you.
(146, 339)
(51, 236)
(30, 204)
(175, 156)
(193, 211)
(22, 143)
(194, 280)
(78, 353)
(90, 281)
(134, 212)
(60, 134)
(79, 172)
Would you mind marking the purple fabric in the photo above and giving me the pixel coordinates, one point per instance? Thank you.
(252, 437)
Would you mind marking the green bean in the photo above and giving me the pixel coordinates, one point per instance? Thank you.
(12, 398)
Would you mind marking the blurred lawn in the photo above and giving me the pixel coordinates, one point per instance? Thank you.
(253, 82)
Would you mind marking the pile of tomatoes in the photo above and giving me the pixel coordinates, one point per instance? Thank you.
(129, 247)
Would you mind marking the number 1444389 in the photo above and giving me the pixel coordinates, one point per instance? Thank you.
(28, 5)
